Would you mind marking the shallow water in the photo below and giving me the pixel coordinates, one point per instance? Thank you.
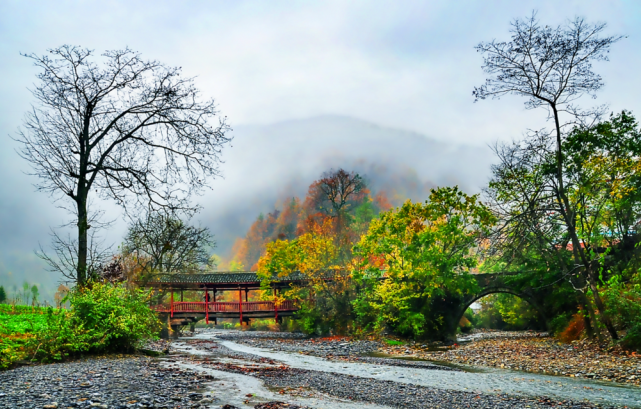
(232, 388)
(475, 380)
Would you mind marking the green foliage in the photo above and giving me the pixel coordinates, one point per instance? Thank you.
(425, 253)
(575, 246)
(623, 300)
(18, 324)
(507, 312)
(394, 342)
(312, 254)
(3, 294)
(102, 318)
(310, 320)
(560, 322)
(21, 319)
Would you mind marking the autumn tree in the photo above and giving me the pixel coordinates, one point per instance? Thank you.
(341, 196)
(336, 192)
(415, 255)
(122, 128)
(552, 68)
(326, 296)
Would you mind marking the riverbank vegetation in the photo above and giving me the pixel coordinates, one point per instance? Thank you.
(392, 268)
(101, 317)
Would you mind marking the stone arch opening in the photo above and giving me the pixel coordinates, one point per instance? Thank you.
(503, 290)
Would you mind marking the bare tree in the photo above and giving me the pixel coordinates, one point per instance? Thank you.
(552, 68)
(126, 129)
(64, 259)
(336, 191)
(165, 244)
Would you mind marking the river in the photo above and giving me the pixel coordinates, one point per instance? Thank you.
(470, 379)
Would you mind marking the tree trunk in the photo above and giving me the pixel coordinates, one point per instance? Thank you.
(590, 318)
(605, 319)
(577, 251)
(82, 238)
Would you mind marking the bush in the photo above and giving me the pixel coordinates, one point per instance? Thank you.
(559, 323)
(264, 325)
(623, 301)
(311, 321)
(574, 330)
(102, 317)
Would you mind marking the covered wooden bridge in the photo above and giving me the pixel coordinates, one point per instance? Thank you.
(211, 286)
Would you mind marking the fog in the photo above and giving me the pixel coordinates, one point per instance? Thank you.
(380, 87)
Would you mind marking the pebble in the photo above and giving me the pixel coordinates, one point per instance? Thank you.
(539, 355)
(105, 382)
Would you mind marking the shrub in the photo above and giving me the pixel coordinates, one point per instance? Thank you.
(264, 325)
(102, 317)
(574, 329)
(623, 301)
(559, 323)
(310, 320)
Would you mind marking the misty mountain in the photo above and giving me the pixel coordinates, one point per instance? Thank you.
(268, 164)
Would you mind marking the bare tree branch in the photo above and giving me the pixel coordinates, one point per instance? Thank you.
(127, 129)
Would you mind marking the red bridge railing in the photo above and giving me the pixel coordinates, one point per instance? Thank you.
(213, 307)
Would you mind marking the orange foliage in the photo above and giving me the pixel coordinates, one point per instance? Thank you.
(574, 330)
(382, 201)
(326, 210)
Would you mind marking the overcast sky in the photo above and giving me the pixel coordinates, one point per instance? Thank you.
(409, 65)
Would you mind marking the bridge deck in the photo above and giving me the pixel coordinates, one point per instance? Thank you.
(207, 310)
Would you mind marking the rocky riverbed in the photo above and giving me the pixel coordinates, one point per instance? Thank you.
(105, 382)
(536, 354)
(212, 370)
(330, 347)
(295, 382)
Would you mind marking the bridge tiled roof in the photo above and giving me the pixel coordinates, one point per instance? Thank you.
(221, 278)
(232, 277)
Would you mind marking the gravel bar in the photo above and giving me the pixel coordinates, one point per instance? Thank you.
(108, 382)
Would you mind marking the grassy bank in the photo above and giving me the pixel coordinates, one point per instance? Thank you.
(19, 325)
(101, 318)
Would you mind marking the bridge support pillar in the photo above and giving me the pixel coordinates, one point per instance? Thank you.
(164, 331)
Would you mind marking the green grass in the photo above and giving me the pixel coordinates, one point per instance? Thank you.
(21, 319)
(394, 342)
(17, 324)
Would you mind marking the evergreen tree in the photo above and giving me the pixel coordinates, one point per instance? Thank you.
(3, 294)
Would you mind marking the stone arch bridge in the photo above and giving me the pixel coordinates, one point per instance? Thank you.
(494, 283)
